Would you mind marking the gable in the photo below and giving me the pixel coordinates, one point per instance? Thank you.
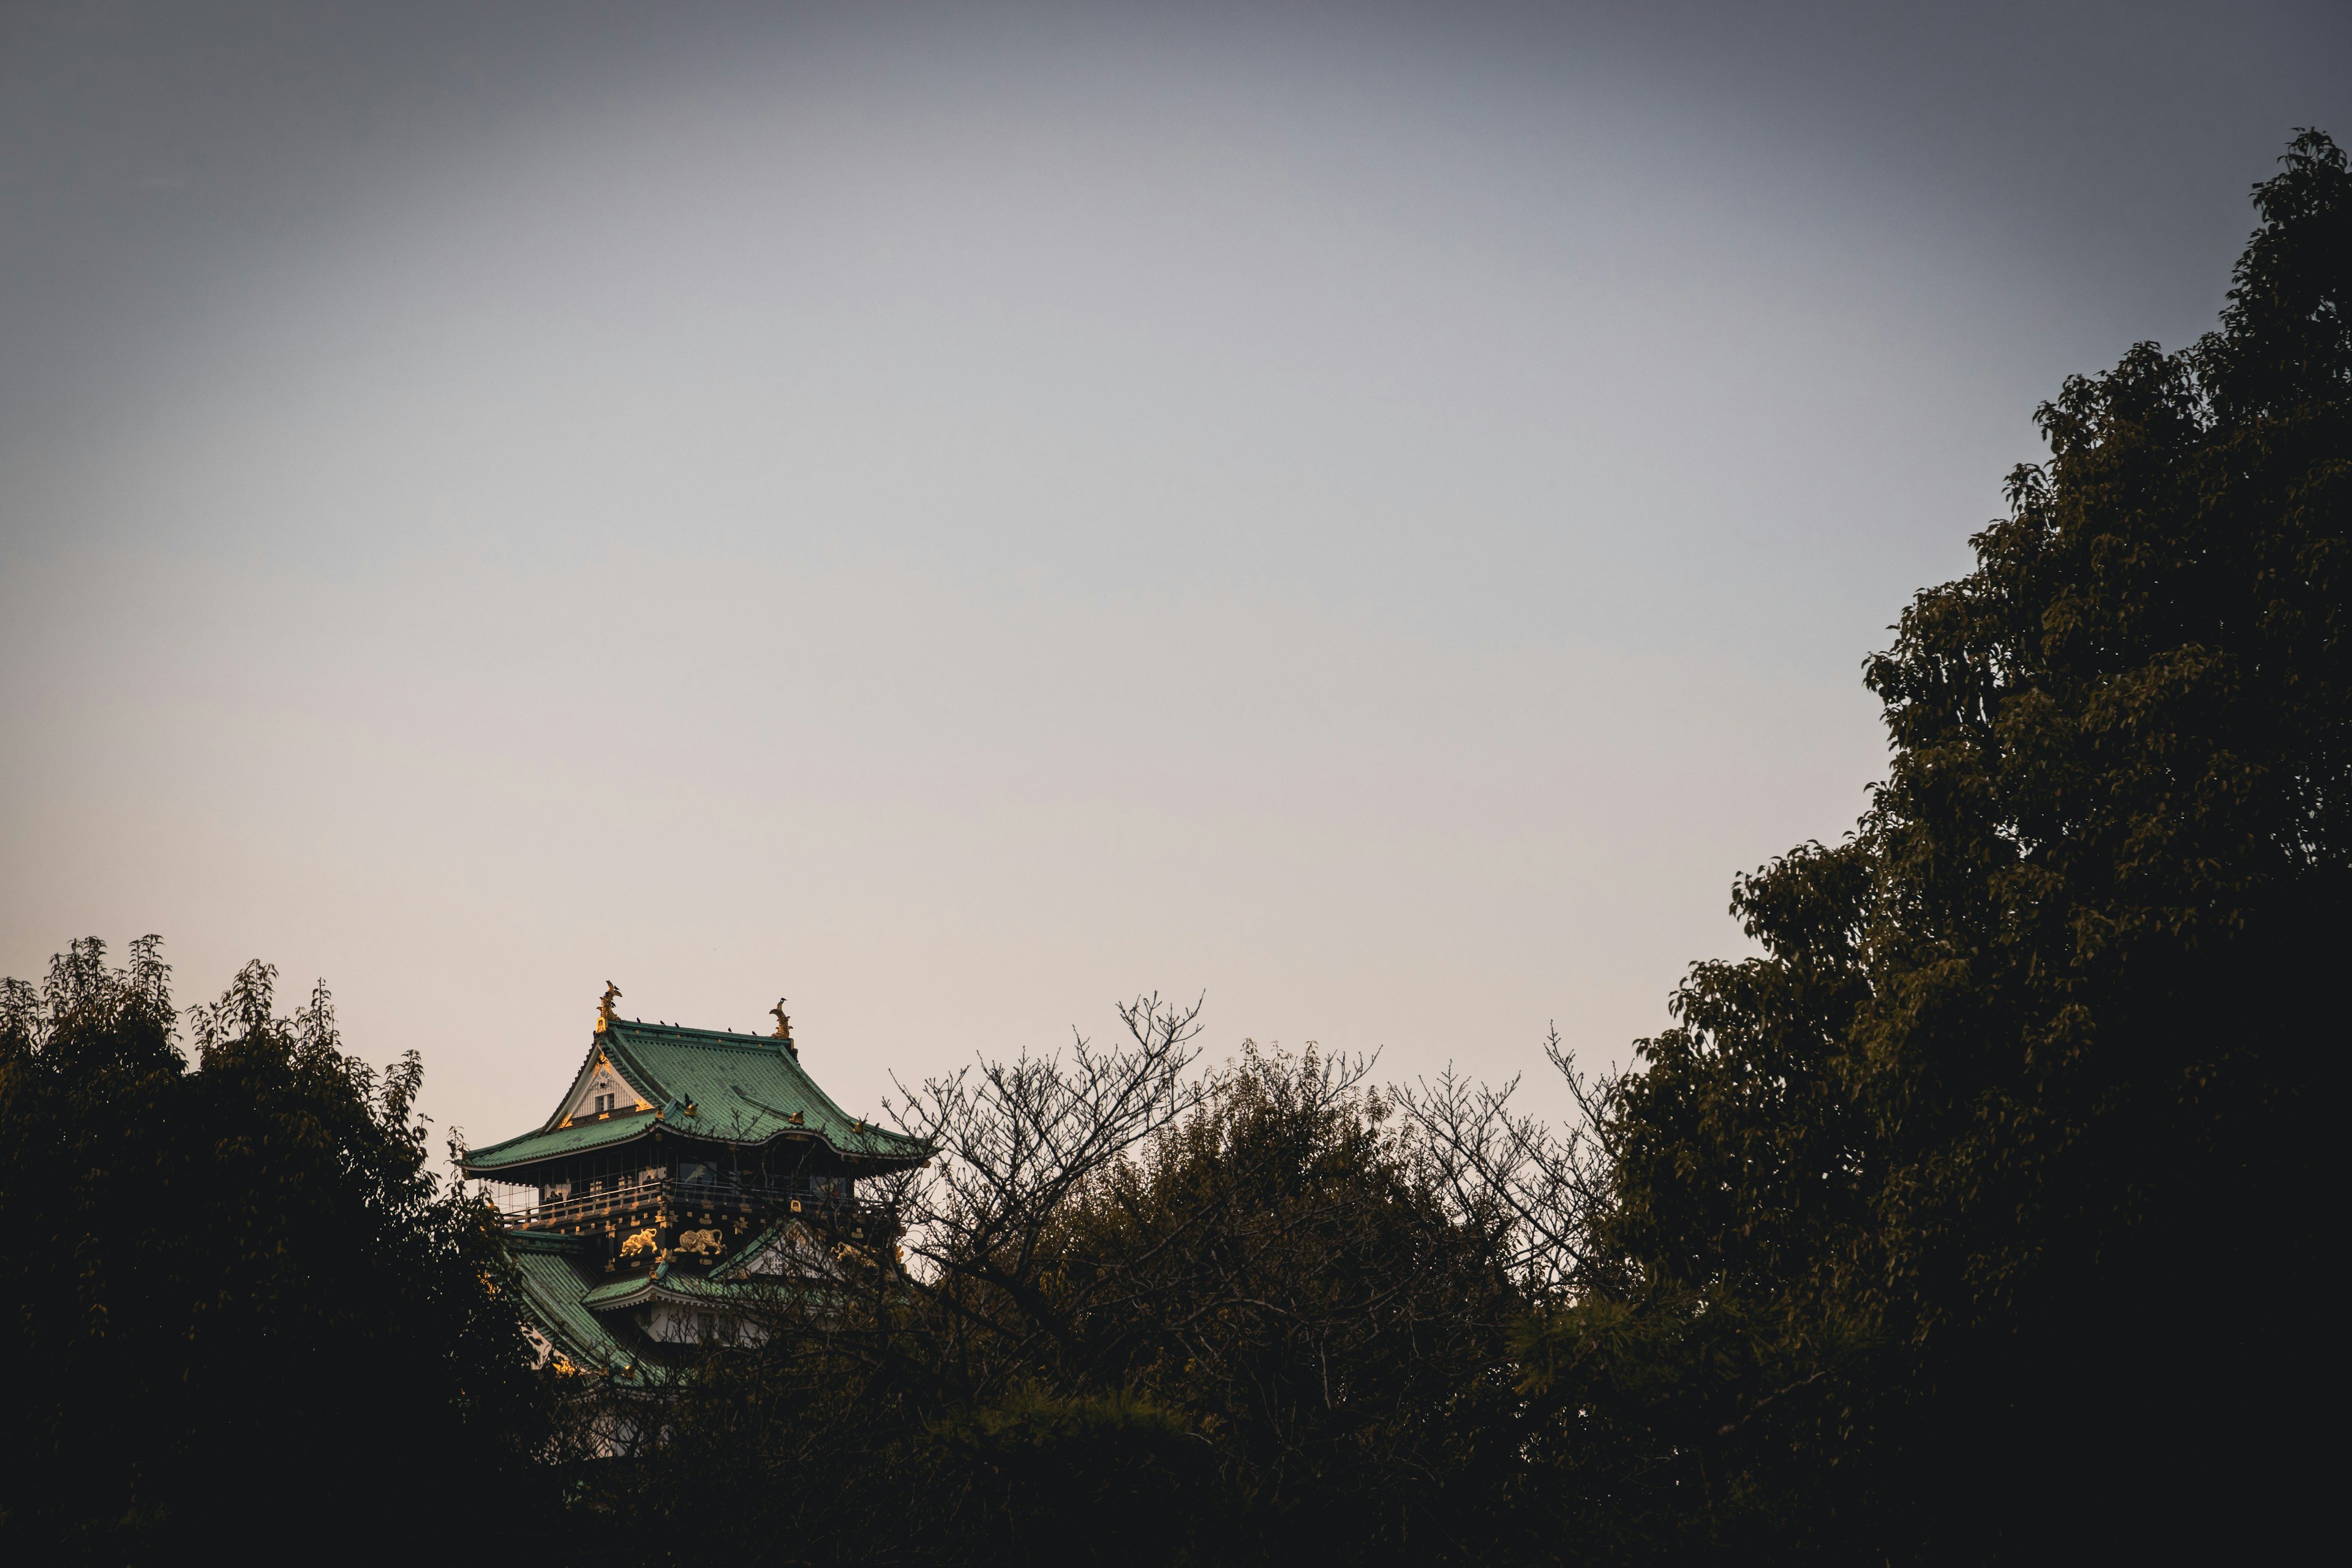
(601, 1090)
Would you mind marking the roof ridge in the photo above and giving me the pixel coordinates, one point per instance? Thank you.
(771, 1040)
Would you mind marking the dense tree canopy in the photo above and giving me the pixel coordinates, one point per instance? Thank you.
(1989, 1194)
(237, 1303)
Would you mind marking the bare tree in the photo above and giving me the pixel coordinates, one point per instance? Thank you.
(1122, 1276)
(1016, 1142)
(1532, 1187)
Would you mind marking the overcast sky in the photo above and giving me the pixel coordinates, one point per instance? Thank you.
(960, 514)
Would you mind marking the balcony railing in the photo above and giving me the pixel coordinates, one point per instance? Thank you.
(714, 1196)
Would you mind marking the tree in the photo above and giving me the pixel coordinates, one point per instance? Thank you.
(912, 1396)
(1137, 1315)
(238, 1303)
(1986, 1203)
(1285, 1276)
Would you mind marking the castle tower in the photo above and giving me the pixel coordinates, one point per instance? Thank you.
(682, 1170)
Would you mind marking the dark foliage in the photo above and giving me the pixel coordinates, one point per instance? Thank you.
(238, 1309)
(1146, 1322)
(1980, 1214)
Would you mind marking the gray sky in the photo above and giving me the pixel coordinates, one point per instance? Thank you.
(958, 514)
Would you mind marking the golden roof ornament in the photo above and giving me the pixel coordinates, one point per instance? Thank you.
(604, 1008)
(784, 1020)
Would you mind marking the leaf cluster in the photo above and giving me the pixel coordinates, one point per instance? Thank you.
(1981, 1202)
(235, 1292)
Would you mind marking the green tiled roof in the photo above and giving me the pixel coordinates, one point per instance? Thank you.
(565, 1295)
(733, 1265)
(557, 1277)
(561, 1140)
(620, 1293)
(704, 1083)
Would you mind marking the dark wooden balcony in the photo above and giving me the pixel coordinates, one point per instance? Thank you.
(748, 1197)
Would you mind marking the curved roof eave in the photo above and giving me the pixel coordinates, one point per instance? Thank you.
(748, 1090)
